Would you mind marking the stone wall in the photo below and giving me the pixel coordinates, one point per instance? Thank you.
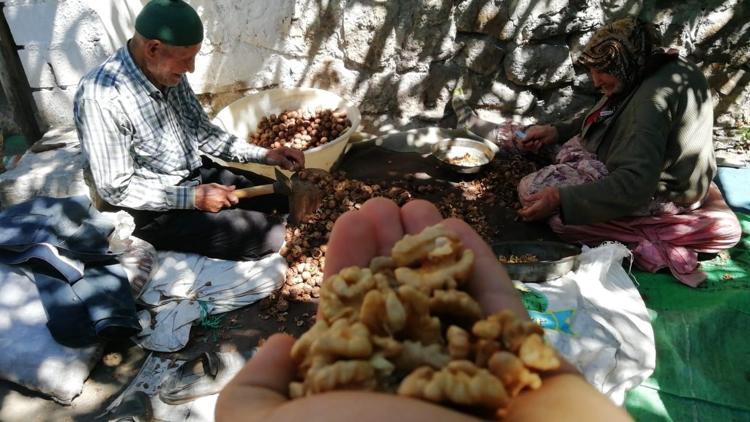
(399, 61)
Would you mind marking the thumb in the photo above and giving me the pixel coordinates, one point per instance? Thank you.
(286, 163)
(271, 367)
(279, 159)
(232, 197)
(532, 134)
(262, 384)
(530, 212)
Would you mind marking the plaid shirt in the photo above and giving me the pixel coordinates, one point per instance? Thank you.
(141, 144)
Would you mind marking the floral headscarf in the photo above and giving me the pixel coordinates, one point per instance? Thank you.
(622, 49)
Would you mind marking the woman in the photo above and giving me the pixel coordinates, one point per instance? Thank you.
(638, 167)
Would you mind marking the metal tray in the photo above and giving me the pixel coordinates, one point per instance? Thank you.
(463, 155)
(555, 259)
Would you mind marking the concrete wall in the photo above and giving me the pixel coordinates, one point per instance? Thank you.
(60, 41)
(397, 60)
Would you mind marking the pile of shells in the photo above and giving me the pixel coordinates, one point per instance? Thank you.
(300, 129)
(469, 200)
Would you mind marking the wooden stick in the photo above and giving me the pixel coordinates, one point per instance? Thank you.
(254, 191)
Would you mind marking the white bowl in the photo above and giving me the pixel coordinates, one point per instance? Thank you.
(241, 118)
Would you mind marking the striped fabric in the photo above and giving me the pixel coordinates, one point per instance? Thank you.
(141, 144)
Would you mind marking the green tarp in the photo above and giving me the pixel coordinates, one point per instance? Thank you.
(702, 342)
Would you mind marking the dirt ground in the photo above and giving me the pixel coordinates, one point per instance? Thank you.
(243, 329)
(359, 164)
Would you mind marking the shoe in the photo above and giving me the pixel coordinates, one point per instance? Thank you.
(202, 376)
(136, 407)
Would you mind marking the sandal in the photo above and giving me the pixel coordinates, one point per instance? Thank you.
(136, 407)
(202, 376)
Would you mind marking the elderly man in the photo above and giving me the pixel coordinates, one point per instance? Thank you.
(143, 134)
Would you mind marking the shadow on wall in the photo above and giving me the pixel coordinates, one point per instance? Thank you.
(405, 58)
(118, 18)
(716, 35)
(67, 40)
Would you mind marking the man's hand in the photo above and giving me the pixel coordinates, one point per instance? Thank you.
(212, 197)
(536, 137)
(287, 158)
(541, 205)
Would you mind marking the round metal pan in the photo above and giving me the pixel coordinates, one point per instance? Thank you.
(463, 155)
(555, 259)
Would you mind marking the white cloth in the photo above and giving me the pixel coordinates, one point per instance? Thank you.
(596, 318)
(30, 356)
(184, 281)
(57, 173)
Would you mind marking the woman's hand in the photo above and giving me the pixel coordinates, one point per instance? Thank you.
(541, 205)
(536, 137)
(287, 158)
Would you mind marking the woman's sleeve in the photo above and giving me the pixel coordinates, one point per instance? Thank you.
(635, 162)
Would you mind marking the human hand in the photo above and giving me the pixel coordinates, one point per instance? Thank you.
(287, 158)
(536, 137)
(380, 223)
(541, 205)
(260, 390)
(213, 197)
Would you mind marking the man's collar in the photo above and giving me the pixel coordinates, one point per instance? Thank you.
(132, 68)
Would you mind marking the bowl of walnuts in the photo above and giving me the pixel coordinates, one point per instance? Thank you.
(537, 261)
(316, 121)
(464, 155)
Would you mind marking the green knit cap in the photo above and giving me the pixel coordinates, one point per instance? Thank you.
(173, 22)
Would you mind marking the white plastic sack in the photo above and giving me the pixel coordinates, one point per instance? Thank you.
(57, 173)
(124, 224)
(30, 356)
(596, 318)
(169, 330)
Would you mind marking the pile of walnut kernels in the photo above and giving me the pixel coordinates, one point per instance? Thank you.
(406, 326)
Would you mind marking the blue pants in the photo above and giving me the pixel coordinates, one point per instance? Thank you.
(97, 307)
